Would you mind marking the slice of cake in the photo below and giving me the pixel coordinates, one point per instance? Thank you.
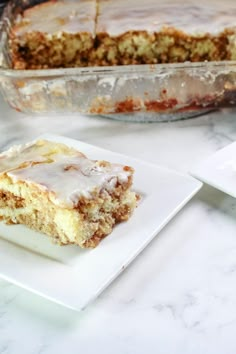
(54, 34)
(156, 31)
(57, 190)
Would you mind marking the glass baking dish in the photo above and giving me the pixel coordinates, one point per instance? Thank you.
(136, 92)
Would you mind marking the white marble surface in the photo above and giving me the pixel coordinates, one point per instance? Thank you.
(179, 295)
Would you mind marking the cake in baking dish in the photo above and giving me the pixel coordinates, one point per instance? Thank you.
(58, 191)
(78, 33)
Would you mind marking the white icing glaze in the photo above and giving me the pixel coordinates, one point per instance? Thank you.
(190, 16)
(37, 151)
(117, 17)
(66, 175)
(57, 17)
(15, 156)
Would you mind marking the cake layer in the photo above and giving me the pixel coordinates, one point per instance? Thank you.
(110, 32)
(54, 34)
(150, 32)
(57, 190)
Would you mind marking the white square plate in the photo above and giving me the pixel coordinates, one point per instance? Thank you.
(74, 277)
(219, 170)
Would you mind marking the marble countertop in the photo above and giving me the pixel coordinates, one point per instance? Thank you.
(179, 295)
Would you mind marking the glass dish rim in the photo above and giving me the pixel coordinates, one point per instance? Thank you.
(114, 70)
